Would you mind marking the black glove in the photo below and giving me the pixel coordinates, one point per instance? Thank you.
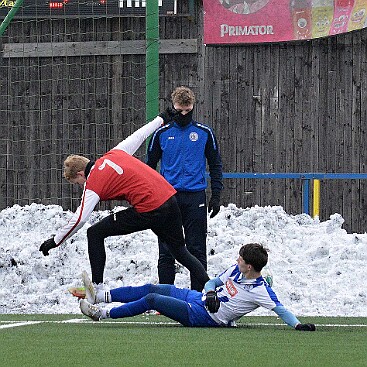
(168, 115)
(47, 246)
(306, 327)
(214, 205)
(212, 301)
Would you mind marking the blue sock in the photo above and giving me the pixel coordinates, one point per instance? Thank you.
(129, 294)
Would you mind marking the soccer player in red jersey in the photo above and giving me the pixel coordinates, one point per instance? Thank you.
(117, 175)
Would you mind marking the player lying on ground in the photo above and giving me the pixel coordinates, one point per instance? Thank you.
(237, 291)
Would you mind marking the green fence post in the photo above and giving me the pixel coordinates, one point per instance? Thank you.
(152, 59)
(4, 24)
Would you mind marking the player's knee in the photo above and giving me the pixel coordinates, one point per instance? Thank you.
(148, 288)
(90, 232)
(150, 299)
(93, 233)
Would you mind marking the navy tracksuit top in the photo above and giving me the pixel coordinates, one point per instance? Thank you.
(186, 150)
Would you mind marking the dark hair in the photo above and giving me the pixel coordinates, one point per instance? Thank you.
(255, 255)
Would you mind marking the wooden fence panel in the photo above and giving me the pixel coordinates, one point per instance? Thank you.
(290, 107)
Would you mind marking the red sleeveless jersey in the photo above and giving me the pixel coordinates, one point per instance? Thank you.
(120, 176)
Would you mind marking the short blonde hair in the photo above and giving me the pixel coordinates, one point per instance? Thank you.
(74, 164)
(183, 96)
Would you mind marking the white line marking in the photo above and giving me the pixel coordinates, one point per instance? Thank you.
(71, 321)
(132, 322)
(15, 324)
(318, 325)
(10, 324)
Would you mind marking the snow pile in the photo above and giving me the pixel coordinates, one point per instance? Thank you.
(317, 267)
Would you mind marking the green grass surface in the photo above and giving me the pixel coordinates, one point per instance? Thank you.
(157, 341)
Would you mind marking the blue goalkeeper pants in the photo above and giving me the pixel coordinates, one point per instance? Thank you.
(182, 305)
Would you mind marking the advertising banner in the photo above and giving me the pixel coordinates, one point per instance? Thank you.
(257, 21)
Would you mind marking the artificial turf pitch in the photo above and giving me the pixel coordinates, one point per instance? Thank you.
(151, 340)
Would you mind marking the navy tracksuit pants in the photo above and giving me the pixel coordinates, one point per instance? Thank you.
(194, 219)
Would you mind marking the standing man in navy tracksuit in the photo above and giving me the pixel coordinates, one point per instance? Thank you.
(184, 146)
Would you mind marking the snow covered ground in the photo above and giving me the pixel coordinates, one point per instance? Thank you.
(318, 268)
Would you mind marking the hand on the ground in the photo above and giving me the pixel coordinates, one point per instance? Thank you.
(305, 327)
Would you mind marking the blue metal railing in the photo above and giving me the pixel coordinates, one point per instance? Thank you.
(306, 178)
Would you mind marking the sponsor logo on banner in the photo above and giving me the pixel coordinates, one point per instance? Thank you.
(256, 21)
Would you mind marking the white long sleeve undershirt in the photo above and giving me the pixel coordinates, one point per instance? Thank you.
(89, 198)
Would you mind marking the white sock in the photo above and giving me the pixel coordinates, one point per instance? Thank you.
(105, 313)
(103, 296)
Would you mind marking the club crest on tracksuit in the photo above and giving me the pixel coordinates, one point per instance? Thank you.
(194, 136)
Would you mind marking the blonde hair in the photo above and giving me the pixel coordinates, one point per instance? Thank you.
(183, 96)
(74, 164)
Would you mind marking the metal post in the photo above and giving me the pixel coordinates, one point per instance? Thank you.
(306, 195)
(152, 59)
(4, 24)
(316, 199)
(191, 7)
